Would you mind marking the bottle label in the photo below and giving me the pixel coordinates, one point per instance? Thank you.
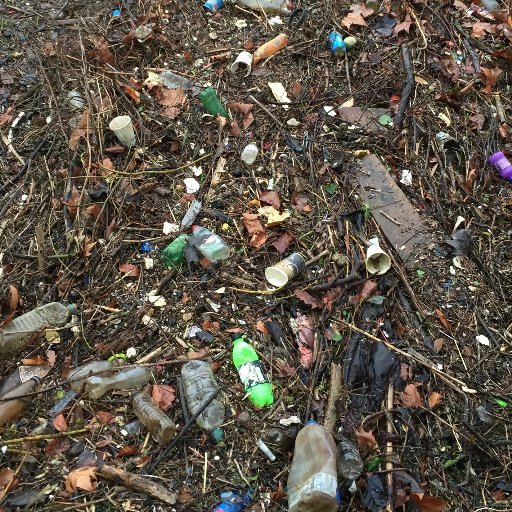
(252, 374)
(321, 482)
(209, 240)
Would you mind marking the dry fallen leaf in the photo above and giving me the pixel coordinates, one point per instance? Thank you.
(366, 440)
(57, 446)
(444, 321)
(255, 229)
(271, 197)
(81, 130)
(129, 269)
(127, 451)
(480, 29)
(8, 481)
(429, 503)
(163, 395)
(260, 326)
(405, 26)
(82, 478)
(283, 242)
(434, 399)
(37, 360)
(490, 77)
(59, 422)
(274, 218)
(279, 494)
(361, 9)
(104, 417)
(305, 297)
(353, 18)
(410, 396)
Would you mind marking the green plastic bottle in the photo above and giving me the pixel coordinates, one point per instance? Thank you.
(174, 253)
(212, 103)
(252, 373)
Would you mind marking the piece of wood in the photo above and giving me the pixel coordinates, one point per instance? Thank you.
(407, 232)
(138, 483)
(335, 390)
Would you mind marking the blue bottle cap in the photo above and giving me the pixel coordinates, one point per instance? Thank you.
(311, 422)
(146, 247)
(218, 435)
(116, 13)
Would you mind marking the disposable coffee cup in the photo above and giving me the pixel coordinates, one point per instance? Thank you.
(377, 261)
(242, 64)
(122, 127)
(285, 270)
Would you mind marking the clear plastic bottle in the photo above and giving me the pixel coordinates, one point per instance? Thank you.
(350, 463)
(198, 384)
(173, 81)
(210, 245)
(125, 379)
(11, 409)
(312, 481)
(160, 426)
(78, 376)
(17, 333)
(268, 6)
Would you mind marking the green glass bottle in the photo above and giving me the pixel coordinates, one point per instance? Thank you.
(212, 103)
(174, 253)
(252, 373)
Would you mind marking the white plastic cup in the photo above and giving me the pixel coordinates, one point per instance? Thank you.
(377, 261)
(242, 64)
(249, 154)
(285, 270)
(122, 127)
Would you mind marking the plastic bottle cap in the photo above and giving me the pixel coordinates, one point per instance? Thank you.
(311, 422)
(237, 335)
(496, 157)
(194, 226)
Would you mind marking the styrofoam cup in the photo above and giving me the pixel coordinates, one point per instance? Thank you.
(122, 126)
(242, 64)
(377, 261)
(285, 270)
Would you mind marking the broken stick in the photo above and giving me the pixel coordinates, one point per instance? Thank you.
(335, 390)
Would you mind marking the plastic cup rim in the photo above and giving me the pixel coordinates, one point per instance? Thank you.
(115, 125)
(271, 273)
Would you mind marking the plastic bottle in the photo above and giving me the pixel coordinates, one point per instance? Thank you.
(268, 6)
(210, 245)
(283, 439)
(312, 481)
(269, 48)
(213, 5)
(11, 409)
(212, 103)
(251, 371)
(198, 384)
(160, 426)
(502, 164)
(173, 81)
(125, 379)
(338, 47)
(232, 501)
(17, 333)
(249, 154)
(82, 372)
(174, 254)
(350, 463)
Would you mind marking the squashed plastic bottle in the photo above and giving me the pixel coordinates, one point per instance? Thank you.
(160, 426)
(125, 379)
(17, 333)
(251, 371)
(210, 245)
(174, 254)
(212, 103)
(312, 481)
(11, 409)
(268, 6)
(174, 81)
(78, 376)
(350, 463)
(232, 501)
(199, 384)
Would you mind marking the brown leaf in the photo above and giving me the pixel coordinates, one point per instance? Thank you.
(171, 97)
(306, 355)
(366, 289)
(245, 109)
(163, 395)
(410, 396)
(207, 325)
(429, 503)
(184, 495)
(57, 446)
(353, 18)
(34, 361)
(88, 247)
(59, 422)
(362, 9)
(258, 239)
(305, 297)
(480, 29)
(434, 399)
(490, 77)
(82, 478)
(366, 440)
(405, 372)
(405, 26)
(132, 93)
(271, 197)
(478, 120)
(73, 202)
(94, 211)
(252, 223)
(444, 321)
(127, 451)
(438, 344)
(51, 355)
(104, 54)
(5, 119)
(104, 417)
(8, 481)
(200, 354)
(116, 149)
(283, 242)
(260, 326)
(279, 494)
(296, 89)
(82, 129)
(129, 269)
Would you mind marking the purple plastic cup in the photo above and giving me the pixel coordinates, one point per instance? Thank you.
(501, 162)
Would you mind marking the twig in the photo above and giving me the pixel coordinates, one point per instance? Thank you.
(43, 436)
(40, 246)
(389, 449)
(186, 427)
(335, 390)
(137, 482)
(409, 83)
